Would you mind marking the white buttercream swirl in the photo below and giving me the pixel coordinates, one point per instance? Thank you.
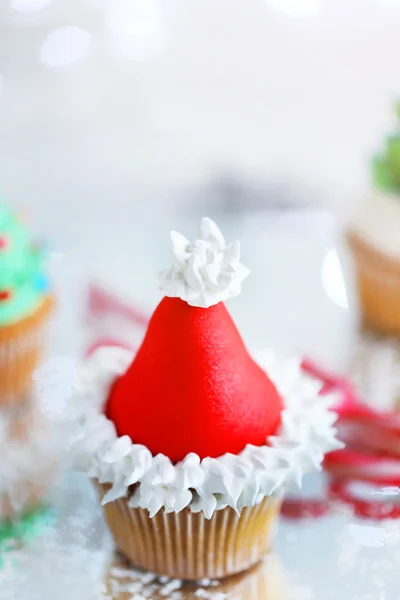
(205, 272)
(305, 435)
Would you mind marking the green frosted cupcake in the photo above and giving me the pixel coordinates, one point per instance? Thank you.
(25, 306)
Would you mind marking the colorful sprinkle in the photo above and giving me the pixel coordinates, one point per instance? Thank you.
(41, 283)
(5, 295)
(3, 242)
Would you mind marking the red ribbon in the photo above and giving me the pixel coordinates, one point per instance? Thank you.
(372, 454)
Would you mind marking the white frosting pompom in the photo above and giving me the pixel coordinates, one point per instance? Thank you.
(205, 272)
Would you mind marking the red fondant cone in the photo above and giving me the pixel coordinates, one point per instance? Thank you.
(193, 387)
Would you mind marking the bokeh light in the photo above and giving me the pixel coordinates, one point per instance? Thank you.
(65, 46)
(333, 280)
(390, 3)
(297, 8)
(29, 5)
(137, 29)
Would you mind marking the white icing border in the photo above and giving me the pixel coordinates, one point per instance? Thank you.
(305, 435)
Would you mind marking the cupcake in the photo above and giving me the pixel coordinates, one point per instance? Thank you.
(191, 442)
(375, 242)
(28, 459)
(25, 306)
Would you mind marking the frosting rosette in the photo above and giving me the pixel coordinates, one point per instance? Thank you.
(206, 271)
(26, 304)
(128, 470)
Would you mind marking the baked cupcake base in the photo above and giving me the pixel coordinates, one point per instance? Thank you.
(21, 348)
(189, 546)
(378, 278)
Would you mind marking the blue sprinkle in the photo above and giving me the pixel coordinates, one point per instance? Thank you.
(41, 283)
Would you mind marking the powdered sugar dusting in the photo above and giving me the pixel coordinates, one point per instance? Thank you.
(132, 584)
(206, 271)
(27, 464)
(202, 593)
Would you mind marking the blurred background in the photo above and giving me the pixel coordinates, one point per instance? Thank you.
(107, 105)
(122, 119)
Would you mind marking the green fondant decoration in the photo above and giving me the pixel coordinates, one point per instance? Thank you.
(386, 164)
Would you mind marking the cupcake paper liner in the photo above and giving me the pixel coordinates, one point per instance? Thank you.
(21, 348)
(189, 546)
(378, 278)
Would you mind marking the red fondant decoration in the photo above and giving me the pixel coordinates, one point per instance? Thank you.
(193, 387)
(5, 295)
(3, 242)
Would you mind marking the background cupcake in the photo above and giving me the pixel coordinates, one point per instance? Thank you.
(375, 241)
(192, 442)
(25, 306)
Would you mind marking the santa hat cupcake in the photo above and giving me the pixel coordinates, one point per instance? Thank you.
(193, 441)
